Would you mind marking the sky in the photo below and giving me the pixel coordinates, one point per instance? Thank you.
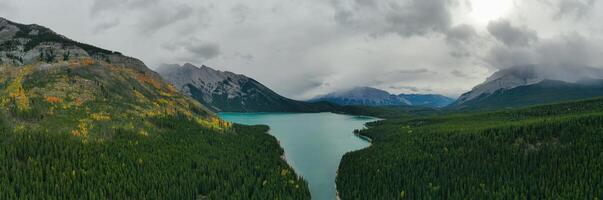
(303, 48)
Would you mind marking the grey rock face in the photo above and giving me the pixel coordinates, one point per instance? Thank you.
(26, 44)
(363, 96)
(518, 76)
(229, 92)
(504, 79)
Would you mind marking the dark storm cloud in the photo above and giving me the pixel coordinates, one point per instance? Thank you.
(459, 74)
(418, 17)
(366, 3)
(150, 15)
(574, 8)
(414, 71)
(463, 33)
(405, 18)
(100, 6)
(510, 35)
(204, 51)
(163, 18)
(194, 50)
(344, 17)
(571, 50)
(248, 58)
(104, 26)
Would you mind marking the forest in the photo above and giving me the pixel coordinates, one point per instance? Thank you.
(88, 129)
(187, 162)
(543, 152)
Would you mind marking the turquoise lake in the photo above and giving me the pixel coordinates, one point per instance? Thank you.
(314, 143)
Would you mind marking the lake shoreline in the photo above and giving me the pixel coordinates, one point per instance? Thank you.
(313, 144)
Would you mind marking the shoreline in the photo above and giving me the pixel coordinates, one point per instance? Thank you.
(367, 142)
(365, 138)
(362, 137)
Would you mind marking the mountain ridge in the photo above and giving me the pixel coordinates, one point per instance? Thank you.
(225, 91)
(368, 96)
(530, 85)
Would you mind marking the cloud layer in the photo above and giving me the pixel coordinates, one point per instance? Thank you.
(302, 48)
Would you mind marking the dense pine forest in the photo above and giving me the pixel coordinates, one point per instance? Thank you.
(80, 122)
(77, 133)
(187, 162)
(90, 129)
(543, 152)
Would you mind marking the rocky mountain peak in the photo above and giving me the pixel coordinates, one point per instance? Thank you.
(362, 96)
(230, 92)
(517, 76)
(22, 44)
(504, 79)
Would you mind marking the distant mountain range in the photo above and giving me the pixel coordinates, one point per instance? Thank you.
(225, 91)
(368, 96)
(509, 88)
(531, 85)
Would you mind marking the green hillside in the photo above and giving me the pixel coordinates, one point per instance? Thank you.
(544, 92)
(544, 152)
(80, 123)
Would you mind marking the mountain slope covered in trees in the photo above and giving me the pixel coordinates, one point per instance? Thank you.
(530, 85)
(543, 152)
(80, 122)
(544, 92)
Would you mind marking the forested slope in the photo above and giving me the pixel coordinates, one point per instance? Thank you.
(544, 152)
(80, 122)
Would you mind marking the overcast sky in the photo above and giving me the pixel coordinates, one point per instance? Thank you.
(301, 48)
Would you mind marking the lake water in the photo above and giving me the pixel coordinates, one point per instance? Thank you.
(313, 143)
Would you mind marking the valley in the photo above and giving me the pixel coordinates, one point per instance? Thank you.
(301, 100)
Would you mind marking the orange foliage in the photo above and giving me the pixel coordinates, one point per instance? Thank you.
(76, 133)
(88, 61)
(78, 101)
(73, 63)
(53, 99)
(220, 123)
(149, 80)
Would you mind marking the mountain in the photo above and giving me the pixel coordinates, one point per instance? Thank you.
(367, 96)
(530, 85)
(46, 74)
(230, 92)
(427, 100)
(102, 125)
